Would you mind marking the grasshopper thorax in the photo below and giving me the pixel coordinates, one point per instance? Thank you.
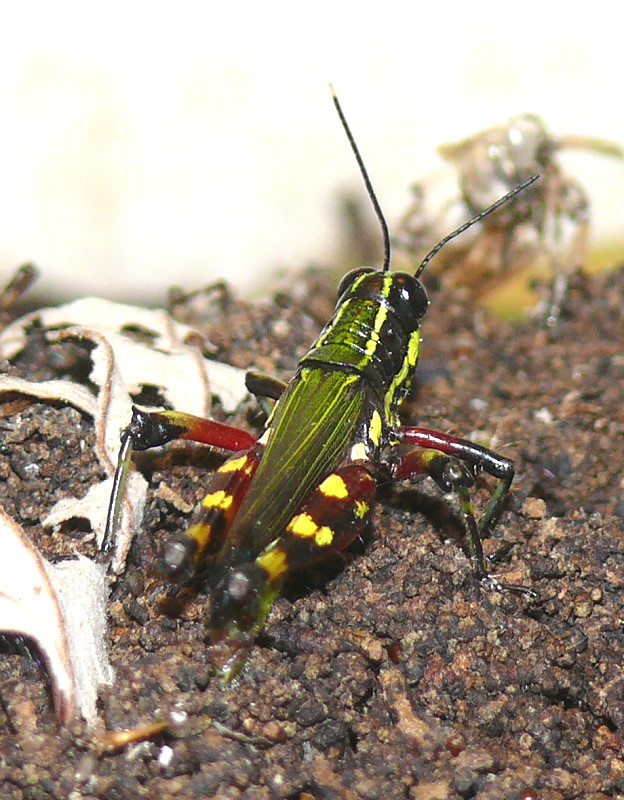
(374, 333)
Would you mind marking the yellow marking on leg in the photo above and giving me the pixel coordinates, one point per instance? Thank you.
(303, 526)
(178, 418)
(201, 533)
(334, 486)
(242, 463)
(274, 561)
(221, 500)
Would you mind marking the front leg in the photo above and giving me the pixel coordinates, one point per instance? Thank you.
(452, 463)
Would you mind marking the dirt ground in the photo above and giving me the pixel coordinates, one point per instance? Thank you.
(387, 673)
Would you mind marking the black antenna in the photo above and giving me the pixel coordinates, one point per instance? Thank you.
(520, 188)
(367, 183)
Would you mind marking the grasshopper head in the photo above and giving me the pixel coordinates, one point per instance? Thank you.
(395, 290)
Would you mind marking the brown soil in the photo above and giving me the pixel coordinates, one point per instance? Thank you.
(388, 673)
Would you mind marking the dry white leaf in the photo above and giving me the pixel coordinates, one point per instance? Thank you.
(82, 590)
(67, 391)
(167, 361)
(94, 506)
(29, 607)
(62, 609)
(122, 364)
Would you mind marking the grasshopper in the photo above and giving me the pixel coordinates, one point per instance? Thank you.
(306, 487)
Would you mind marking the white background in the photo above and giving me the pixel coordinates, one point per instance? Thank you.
(146, 144)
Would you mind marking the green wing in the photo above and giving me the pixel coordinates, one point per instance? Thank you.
(312, 428)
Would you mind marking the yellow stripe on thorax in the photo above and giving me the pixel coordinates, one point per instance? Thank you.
(374, 430)
(409, 363)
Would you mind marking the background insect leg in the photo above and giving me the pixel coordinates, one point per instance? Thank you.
(264, 388)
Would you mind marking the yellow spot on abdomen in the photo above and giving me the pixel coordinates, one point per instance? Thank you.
(324, 536)
(302, 525)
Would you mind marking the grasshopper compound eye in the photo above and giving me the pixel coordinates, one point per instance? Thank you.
(412, 293)
(351, 277)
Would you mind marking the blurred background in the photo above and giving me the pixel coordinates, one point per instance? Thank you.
(150, 144)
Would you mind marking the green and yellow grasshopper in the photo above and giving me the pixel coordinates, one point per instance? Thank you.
(307, 486)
